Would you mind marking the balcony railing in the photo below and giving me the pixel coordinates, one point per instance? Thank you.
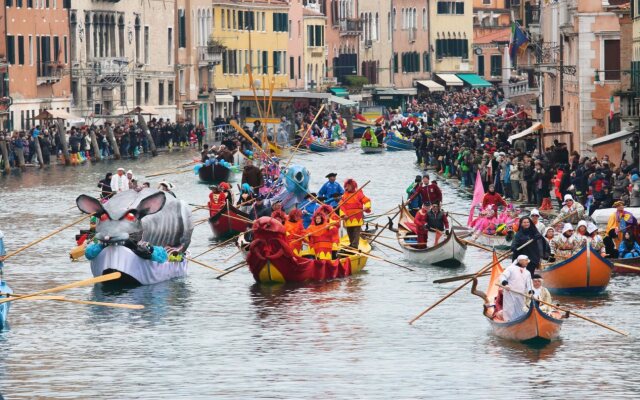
(209, 56)
(630, 106)
(48, 72)
(110, 68)
(517, 89)
(350, 27)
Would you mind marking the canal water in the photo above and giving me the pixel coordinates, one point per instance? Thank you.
(205, 338)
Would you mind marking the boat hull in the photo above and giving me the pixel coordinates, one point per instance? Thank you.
(396, 144)
(214, 173)
(228, 222)
(497, 241)
(633, 262)
(4, 307)
(533, 327)
(320, 148)
(373, 150)
(586, 272)
(145, 272)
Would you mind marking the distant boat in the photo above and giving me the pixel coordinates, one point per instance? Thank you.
(325, 147)
(395, 143)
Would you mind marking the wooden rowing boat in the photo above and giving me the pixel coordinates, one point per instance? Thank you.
(449, 252)
(395, 143)
(372, 150)
(272, 261)
(228, 222)
(279, 151)
(534, 327)
(586, 272)
(214, 173)
(324, 147)
(501, 242)
(633, 262)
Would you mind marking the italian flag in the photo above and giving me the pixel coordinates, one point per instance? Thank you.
(610, 108)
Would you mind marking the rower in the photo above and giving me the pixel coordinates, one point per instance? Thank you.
(571, 211)
(353, 205)
(437, 221)
(542, 293)
(294, 230)
(535, 218)
(422, 226)
(518, 278)
(564, 245)
(595, 240)
(308, 208)
(321, 234)
(330, 188)
(217, 200)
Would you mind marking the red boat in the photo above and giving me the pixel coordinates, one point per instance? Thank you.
(619, 265)
(228, 222)
(271, 259)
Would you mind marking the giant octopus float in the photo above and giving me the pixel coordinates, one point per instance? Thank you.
(271, 259)
(142, 234)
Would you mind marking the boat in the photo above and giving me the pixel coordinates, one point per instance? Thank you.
(271, 260)
(324, 147)
(586, 272)
(228, 222)
(214, 173)
(501, 242)
(449, 252)
(4, 307)
(395, 143)
(279, 151)
(601, 216)
(372, 150)
(534, 327)
(632, 262)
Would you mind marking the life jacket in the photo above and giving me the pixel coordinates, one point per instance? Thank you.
(352, 209)
(321, 240)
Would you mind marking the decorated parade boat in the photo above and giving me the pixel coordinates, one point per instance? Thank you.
(228, 221)
(142, 234)
(535, 326)
(271, 259)
(449, 252)
(586, 272)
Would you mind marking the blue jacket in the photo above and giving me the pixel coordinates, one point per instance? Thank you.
(328, 190)
(308, 207)
(623, 250)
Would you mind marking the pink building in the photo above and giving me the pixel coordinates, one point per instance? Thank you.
(295, 51)
(410, 30)
(342, 38)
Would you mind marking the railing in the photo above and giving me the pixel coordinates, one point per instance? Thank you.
(517, 89)
(630, 106)
(350, 26)
(207, 56)
(110, 67)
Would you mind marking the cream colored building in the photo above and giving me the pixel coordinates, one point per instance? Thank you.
(451, 35)
(122, 56)
(376, 51)
(315, 48)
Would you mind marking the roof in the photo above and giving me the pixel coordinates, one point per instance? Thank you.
(57, 114)
(499, 35)
(620, 135)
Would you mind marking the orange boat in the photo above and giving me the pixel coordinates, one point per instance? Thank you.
(586, 272)
(534, 327)
(271, 260)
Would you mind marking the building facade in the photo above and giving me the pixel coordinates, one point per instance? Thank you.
(123, 57)
(343, 31)
(376, 42)
(410, 25)
(315, 49)
(37, 53)
(491, 33)
(451, 35)
(295, 49)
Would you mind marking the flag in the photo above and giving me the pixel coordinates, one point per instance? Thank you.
(519, 41)
(478, 195)
(611, 111)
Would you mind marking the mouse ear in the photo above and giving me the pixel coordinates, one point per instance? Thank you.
(151, 204)
(89, 205)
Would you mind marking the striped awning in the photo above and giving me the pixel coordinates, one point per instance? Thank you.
(433, 86)
(450, 79)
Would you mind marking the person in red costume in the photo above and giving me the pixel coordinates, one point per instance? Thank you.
(430, 192)
(493, 198)
(422, 227)
(294, 230)
(217, 200)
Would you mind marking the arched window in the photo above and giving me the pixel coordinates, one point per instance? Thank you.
(376, 28)
(393, 19)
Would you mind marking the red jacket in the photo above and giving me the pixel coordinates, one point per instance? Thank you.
(430, 194)
(494, 199)
(421, 221)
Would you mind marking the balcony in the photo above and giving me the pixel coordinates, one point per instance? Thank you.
(531, 15)
(350, 27)
(110, 68)
(519, 88)
(630, 106)
(49, 72)
(208, 56)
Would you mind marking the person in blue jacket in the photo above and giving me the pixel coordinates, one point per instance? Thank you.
(329, 189)
(308, 208)
(629, 248)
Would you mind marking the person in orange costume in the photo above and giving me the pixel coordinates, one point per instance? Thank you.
(294, 230)
(352, 209)
(335, 219)
(217, 200)
(321, 234)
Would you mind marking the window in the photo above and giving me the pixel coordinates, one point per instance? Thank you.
(299, 67)
(31, 50)
(138, 92)
(481, 66)
(66, 55)
(410, 62)
(315, 35)
(181, 81)
(292, 65)
(426, 62)
(277, 57)
(161, 93)
(11, 48)
(289, 28)
(182, 29)
(20, 50)
(496, 65)
(611, 60)
(123, 94)
(137, 34)
(451, 7)
(241, 23)
(280, 22)
(395, 63)
(425, 19)
(56, 49)
(18, 3)
(147, 92)
(222, 20)
(169, 46)
(8, 3)
(30, 3)
(452, 48)
(170, 92)
(146, 45)
(235, 21)
(265, 62)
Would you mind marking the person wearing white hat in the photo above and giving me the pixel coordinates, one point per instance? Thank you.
(581, 233)
(535, 218)
(119, 181)
(571, 211)
(564, 245)
(517, 278)
(594, 240)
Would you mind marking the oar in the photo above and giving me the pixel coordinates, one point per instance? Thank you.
(85, 302)
(23, 248)
(593, 321)
(220, 244)
(358, 252)
(477, 274)
(626, 266)
(461, 277)
(168, 173)
(204, 265)
(231, 256)
(477, 245)
(386, 245)
(231, 270)
(379, 236)
(85, 282)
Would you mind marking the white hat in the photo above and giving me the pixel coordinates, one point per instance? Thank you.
(582, 223)
(522, 257)
(120, 169)
(591, 228)
(568, 197)
(535, 212)
(130, 172)
(567, 227)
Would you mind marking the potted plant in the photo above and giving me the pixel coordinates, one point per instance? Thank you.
(215, 46)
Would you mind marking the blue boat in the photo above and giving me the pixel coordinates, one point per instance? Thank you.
(4, 288)
(324, 147)
(395, 143)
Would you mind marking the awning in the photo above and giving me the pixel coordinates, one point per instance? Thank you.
(474, 80)
(224, 98)
(433, 86)
(56, 114)
(397, 92)
(342, 102)
(623, 134)
(338, 91)
(450, 79)
(533, 128)
(355, 97)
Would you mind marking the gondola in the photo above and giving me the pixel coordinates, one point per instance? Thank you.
(373, 150)
(632, 262)
(501, 242)
(324, 147)
(449, 252)
(271, 260)
(214, 173)
(228, 222)
(586, 272)
(534, 327)
(395, 143)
